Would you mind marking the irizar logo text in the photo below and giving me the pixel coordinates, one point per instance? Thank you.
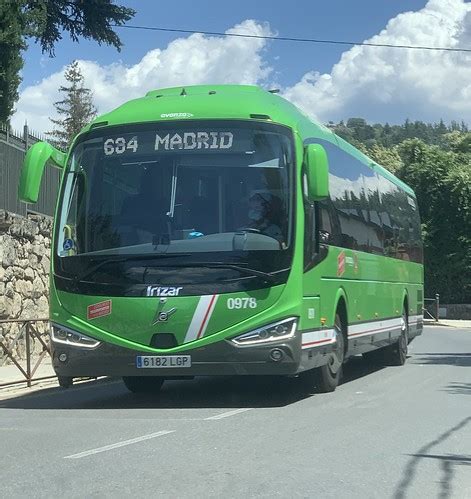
(163, 291)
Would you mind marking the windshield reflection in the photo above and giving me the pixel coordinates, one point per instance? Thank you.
(142, 190)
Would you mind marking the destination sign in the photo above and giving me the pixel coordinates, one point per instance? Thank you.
(194, 140)
(174, 141)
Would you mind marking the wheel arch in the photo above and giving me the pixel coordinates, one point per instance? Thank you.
(341, 305)
(405, 302)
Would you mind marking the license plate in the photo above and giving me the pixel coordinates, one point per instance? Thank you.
(162, 361)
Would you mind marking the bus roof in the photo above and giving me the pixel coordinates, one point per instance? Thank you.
(227, 102)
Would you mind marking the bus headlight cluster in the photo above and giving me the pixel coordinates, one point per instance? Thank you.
(60, 334)
(281, 330)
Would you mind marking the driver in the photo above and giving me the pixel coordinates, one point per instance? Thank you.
(263, 215)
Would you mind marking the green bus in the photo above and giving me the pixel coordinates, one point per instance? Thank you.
(217, 230)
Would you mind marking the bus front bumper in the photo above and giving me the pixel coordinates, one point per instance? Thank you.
(220, 358)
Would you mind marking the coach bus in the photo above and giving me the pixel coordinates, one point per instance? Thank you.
(217, 230)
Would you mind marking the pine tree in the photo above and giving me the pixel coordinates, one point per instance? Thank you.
(76, 109)
(46, 21)
(11, 62)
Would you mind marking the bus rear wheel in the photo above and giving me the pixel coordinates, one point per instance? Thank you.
(396, 354)
(326, 378)
(143, 384)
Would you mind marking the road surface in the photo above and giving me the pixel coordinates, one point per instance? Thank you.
(392, 432)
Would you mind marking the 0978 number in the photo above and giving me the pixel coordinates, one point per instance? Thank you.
(239, 303)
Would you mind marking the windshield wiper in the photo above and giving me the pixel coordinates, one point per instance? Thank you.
(227, 265)
(101, 263)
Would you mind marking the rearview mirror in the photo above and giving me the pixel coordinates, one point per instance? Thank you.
(33, 168)
(317, 172)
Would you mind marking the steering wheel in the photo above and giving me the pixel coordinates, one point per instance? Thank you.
(252, 230)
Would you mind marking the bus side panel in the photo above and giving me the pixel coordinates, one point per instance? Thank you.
(375, 288)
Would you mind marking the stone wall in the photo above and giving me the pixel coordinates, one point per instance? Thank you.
(25, 245)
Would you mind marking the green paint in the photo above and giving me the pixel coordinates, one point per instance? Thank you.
(373, 287)
(317, 171)
(33, 168)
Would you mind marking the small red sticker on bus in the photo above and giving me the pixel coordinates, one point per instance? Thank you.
(99, 309)
(341, 264)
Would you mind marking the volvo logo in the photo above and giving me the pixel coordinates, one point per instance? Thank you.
(163, 316)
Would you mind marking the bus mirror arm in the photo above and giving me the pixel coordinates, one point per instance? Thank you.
(316, 169)
(33, 168)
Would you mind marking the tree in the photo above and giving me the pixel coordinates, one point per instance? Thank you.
(442, 182)
(45, 21)
(385, 156)
(76, 108)
(11, 62)
(435, 160)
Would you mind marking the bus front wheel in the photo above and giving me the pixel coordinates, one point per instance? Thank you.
(143, 384)
(65, 381)
(326, 378)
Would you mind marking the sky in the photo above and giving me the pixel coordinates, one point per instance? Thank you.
(328, 82)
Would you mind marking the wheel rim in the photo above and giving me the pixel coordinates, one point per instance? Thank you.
(338, 353)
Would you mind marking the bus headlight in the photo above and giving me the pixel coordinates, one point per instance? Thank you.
(61, 334)
(281, 330)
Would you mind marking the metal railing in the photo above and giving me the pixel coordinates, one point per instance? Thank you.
(13, 147)
(29, 334)
(432, 308)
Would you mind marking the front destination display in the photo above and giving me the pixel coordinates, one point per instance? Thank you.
(218, 231)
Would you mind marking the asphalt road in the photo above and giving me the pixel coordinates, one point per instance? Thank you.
(386, 432)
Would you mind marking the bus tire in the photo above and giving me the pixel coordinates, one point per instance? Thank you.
(143, 384)
(396, 354)
(65, 381)
(326, 378)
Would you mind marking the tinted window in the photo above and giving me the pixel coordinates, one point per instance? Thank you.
(366, 211)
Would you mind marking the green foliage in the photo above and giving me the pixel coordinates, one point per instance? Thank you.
(45, 21)
(76, 109)
(90, 19)
(388, 157)
(435, 160)
(11, 62)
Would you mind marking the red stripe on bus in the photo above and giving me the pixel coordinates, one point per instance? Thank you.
(316, 342)
(205, 317)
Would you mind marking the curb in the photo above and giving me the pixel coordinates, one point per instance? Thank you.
(467, 324)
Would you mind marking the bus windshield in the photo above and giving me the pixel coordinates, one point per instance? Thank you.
(198, 190)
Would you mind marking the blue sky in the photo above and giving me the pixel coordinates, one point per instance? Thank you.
(335, 19)
(294, 67)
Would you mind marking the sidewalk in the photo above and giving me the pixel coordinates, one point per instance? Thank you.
(10, 374)
(448, 323)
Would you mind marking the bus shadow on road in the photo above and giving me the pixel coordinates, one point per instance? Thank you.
(202, 392)
(444, 359)
(459, 388)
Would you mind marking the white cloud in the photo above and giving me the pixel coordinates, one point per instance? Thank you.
(380, 84)
(385, 84)
(185, 61)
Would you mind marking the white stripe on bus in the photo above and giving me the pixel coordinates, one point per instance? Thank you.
(201, 317)
(318, 338)
(375, 327)
(414, 319)
(327, 336)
